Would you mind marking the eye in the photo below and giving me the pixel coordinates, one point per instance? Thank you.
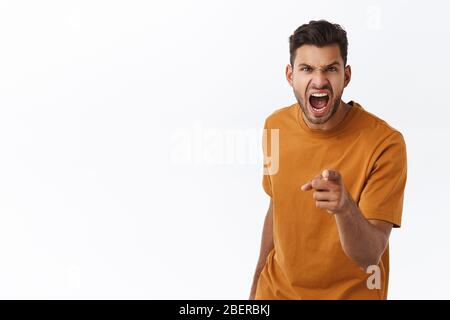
(332, 69)
(305, 68)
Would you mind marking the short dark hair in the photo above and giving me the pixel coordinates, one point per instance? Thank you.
(319, 33)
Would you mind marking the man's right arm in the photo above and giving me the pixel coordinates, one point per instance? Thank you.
(266, 246)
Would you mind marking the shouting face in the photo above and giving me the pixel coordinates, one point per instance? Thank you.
(318, 77)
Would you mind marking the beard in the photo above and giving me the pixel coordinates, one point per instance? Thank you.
(303, 105)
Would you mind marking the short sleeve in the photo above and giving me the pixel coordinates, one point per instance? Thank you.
(382, 196)
(266, 182)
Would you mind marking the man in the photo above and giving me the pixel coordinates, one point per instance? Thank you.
(336, 182)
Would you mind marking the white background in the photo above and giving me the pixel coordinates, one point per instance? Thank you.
(115, 181)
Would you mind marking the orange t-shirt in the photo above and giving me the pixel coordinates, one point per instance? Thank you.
(307, 261)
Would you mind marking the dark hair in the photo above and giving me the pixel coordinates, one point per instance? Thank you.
(319, 33)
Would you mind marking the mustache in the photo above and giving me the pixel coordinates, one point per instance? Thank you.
(326, 87)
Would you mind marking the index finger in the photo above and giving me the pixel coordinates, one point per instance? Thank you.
(308, 186)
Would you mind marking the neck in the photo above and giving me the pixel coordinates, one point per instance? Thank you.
(333, 121)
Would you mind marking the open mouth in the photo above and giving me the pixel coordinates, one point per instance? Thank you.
(319, 103)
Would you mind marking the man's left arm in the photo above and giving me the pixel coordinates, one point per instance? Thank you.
(363, 240)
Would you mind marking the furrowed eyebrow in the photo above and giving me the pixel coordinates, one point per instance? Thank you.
(334, 63)
(304, 65)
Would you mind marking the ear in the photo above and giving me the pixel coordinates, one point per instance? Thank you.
(289, 74)
(347, 75)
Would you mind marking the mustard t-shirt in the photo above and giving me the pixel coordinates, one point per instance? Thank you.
(307, 261)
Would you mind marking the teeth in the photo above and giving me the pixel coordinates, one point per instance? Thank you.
(319, 95)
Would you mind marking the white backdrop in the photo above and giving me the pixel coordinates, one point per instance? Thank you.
(130, 155)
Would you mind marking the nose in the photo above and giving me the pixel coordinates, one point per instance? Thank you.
(319, 80)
